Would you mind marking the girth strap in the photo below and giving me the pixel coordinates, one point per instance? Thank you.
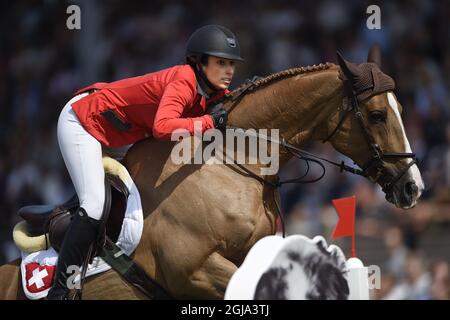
(132, 272)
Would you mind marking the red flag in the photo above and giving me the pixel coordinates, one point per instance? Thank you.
(345, 208)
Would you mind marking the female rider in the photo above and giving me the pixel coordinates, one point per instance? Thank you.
(123, 112)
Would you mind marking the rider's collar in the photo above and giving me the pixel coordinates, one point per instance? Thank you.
(203, 84)
(200, 90)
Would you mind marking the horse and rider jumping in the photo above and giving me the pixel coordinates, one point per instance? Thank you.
(200, 220)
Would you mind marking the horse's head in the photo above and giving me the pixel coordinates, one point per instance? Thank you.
(371, 131)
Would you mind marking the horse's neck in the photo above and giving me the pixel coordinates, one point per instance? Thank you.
(301, 107)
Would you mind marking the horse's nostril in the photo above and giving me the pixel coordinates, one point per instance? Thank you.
(411, 188)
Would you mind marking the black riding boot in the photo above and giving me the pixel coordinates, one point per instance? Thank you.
(81, 234)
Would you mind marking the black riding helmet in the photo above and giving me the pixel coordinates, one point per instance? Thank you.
(213, 40)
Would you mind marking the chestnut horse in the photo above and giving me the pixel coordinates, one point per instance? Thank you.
(201, 220)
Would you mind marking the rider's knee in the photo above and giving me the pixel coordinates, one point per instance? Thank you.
(93, 207)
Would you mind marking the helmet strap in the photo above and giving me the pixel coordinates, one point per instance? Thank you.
(202, 79)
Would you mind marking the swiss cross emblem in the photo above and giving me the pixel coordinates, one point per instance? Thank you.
(39, 277)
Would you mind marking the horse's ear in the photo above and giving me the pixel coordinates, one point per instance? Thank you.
(345, 66)
(375, 54)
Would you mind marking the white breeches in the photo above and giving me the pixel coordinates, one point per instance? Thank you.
(82, 155)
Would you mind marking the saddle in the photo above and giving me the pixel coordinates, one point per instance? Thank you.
(54, 220)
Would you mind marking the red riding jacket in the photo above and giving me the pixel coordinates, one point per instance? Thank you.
(155, 104)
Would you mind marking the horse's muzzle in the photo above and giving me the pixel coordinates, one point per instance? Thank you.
(404, 194)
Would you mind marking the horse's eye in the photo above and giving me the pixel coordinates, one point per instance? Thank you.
(377, 117)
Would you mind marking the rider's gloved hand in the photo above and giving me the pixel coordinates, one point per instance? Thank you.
(220, 118)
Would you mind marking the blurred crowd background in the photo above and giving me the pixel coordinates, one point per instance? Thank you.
(42, 63)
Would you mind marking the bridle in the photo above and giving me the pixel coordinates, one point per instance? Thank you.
(376, 163)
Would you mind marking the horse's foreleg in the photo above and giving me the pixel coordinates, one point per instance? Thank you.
(211, 279)
(10, 282)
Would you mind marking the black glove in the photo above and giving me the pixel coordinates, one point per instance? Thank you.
(220, 118)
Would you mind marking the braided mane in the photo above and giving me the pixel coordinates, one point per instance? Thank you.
(240, 91)
(285, 74)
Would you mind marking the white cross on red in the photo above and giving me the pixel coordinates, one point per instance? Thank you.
(37, 278)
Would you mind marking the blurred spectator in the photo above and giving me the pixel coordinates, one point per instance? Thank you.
(393, 239)
(417, 281)
(440, 286)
